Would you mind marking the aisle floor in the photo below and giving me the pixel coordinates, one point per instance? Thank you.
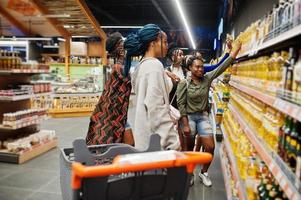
(38, 179)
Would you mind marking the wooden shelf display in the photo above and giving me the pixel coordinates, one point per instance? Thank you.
(10, 137)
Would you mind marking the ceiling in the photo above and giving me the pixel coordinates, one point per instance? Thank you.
(201, 13)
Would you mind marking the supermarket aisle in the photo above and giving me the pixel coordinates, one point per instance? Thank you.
(38, 179)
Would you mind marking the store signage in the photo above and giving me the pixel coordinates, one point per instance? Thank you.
(23, 7)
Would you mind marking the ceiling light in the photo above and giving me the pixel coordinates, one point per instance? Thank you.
(68, 26)
(26, 39)
(61, 39)
(123, 27)
(185, 23)
(54, 16)
(51, 47)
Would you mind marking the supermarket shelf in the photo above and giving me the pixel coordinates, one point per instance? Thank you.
(76, 94)
(75, 65)
(70, 112)
(23, 125)
(42, 94)
(20, 158)
(16, 98)
(270, 43)
(284, 106)
(24, 71)
(242, 193)
(225, 175)
(275, 168)
(22, 97)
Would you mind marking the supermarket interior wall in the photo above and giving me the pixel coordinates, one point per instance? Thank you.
(250, 12)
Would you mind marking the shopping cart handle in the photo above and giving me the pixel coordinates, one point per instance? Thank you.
(140, 162)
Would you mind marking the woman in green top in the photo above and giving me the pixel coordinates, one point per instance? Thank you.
(192, 99)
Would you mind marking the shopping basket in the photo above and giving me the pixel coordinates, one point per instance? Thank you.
(93, 155)
(144, 176)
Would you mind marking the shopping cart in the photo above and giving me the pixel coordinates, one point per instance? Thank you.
(93, 155)
(138, 175)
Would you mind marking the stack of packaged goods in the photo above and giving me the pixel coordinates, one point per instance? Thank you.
(221, 96)
(254, 174)
(10, 60)
(283, 17)
(24, 117)
(278, 74)
(25, 143)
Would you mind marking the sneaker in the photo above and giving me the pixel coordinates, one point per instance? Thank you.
(205, 179)
(191, 180)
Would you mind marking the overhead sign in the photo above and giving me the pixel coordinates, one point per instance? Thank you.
(23, 7)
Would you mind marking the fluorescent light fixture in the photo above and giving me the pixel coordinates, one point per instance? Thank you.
(214, 45)
(68, 26)
(50, 47)
(122, 27)
(55, 16)
(185, 23)
(61, 39)
(26, 39)
(13, 42)
(80, 36)
(184, 48)
(220, 28)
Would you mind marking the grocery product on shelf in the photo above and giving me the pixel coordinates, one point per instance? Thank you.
(259, 181)
(297, 80)
(19, 145)
(10, 60)
(42, 101)
(21, 118)
(283, 17)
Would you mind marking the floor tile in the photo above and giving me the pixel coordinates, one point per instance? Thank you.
(7, 193)
(45, 196)
(28, 179)
(52, 187)
(214, 194)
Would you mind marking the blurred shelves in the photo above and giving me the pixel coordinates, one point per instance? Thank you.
(76, 94)
(70, 112)
(26, 155)
(22, 97)
(275, 166)
(239, 184)
(290, 34)
(226, 175)
(23, 124)
(285, 107)
(24, 71)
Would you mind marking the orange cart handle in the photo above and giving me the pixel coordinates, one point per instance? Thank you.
(188, 159)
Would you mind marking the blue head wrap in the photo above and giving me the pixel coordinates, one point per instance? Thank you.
(137, 44)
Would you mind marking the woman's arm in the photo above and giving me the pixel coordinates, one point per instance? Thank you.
(182, 105)
(209, 68)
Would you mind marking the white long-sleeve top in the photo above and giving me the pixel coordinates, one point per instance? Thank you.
(151, 88)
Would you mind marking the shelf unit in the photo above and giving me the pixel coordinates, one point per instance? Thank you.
(240, 185)
(24, 71)
(29, 154)
(285, 107)
(274, 163)
(226, 175)
(70, 112)
(288, 35)
(22, 97)
(17, 103)
(24, 124)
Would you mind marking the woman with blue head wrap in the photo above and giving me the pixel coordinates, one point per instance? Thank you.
(151, 86)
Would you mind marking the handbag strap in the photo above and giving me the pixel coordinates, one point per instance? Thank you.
(173, 98)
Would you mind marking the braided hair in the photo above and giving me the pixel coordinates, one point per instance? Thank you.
(137, 44)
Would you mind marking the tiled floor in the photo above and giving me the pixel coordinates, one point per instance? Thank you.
(38, 179)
